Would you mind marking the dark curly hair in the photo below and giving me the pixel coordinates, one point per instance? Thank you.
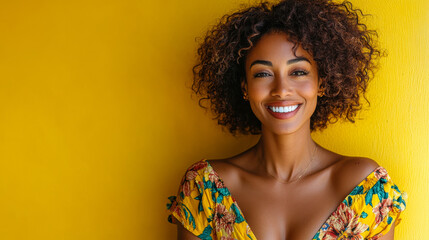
(333, 33)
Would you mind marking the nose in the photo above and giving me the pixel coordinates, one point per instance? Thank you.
(281, 87)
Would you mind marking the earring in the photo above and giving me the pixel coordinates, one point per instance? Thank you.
(245, 97)
(321, 91)
(322, 87)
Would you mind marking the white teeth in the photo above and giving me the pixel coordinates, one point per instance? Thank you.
(283, 109)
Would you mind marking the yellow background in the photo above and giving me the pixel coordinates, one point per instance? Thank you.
(97, 124)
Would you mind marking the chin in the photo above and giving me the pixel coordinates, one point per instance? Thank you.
(282, 130)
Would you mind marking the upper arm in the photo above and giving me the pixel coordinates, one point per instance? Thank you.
(352, 172)
(183, 234)
(389, 235)
(192, 205)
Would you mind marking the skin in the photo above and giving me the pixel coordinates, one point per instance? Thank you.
(285, 151)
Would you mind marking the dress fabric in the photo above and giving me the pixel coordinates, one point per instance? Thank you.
(205, 207)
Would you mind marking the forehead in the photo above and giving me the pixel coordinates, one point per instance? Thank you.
(275, 47)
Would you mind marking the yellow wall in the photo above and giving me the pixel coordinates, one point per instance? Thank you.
(97, 124)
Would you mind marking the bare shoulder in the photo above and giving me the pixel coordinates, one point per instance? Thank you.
(226, 169)
(221, 166)
(360, 166)
(231, 170)
(350, 171)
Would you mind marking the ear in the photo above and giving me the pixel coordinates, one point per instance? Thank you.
(244, 85)
(319, 82)
(321, 87)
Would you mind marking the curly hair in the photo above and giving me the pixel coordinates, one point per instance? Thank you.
(333, 33)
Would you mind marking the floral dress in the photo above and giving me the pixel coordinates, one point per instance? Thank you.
(205, 207)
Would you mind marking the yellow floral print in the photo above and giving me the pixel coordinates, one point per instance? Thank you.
(205, 207)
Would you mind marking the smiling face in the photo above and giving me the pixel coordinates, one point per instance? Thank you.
(282, 86)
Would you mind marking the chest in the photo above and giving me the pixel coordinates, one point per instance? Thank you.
(286, 212)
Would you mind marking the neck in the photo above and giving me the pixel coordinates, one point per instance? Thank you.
(285, 157)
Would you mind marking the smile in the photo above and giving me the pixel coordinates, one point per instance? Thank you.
(283, 112)
(285, 109)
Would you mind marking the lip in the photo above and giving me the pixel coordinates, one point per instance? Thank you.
(287, 115)
(283, 104)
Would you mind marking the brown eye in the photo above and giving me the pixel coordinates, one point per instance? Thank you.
(261, 75)
(299, 73)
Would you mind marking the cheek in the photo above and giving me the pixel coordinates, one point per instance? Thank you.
(257, 93)
(310, 90)
(257, 90)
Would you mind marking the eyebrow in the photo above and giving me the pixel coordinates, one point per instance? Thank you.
(263, 62)
(268, 63)
(298, 59)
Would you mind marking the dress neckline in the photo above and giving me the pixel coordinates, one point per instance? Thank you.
(367, 178)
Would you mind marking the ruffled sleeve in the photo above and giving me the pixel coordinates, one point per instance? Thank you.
(205, 207)
(190, 207)
(384, 204)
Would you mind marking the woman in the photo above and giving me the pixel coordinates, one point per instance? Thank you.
(283, 71)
